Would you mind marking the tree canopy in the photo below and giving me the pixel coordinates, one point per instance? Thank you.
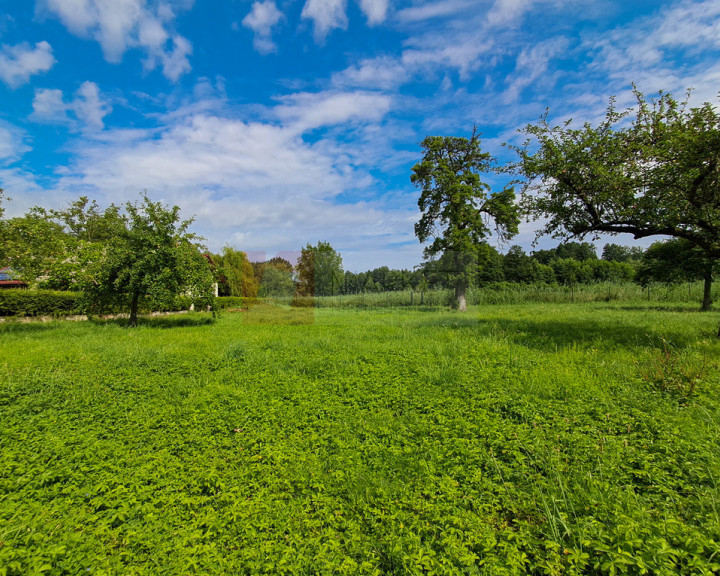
(153, 259)
(457, 206)
(654, 170)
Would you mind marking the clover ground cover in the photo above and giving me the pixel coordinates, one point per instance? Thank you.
(510, 440)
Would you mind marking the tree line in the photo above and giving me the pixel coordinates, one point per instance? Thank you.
(650, 171)
(320, 272)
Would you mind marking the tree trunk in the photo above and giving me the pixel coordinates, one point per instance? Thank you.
(707, 300)
(460, 288)
(134, 309)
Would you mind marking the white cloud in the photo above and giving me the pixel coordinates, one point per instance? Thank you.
(660, 51)
(261, 19)
(263, 182)
(12, 145)
(532, 66)
(18, 63)
(120, 25)
(505, 11)
(375, 10)
(48, 106)
(330, 14)
(7, 147)
(382, 72)
(326, 15)
(88, 107)
(434, 10)
(307, 111)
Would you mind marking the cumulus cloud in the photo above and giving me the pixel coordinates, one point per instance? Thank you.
(261, 20)
(375, 10)
(120, 25)
(266, 183)
(326, 15)
(330, 14)
(49, 107)
(306, 111)
(382, 72)
(85, 111)
(18, 63)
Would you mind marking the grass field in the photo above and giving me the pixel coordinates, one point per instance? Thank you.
(514, 439)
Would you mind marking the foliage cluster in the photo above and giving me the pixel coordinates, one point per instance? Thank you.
(647, 171)
(235, 274)
(373, 442)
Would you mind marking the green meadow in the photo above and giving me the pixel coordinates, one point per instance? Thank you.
(557, 438)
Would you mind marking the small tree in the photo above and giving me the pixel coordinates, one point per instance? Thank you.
(152, 261)
(457, 206)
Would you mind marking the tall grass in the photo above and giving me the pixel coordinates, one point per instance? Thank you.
(507, 293)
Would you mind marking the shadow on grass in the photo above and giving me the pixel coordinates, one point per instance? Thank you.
(668, 308)
(550, 335)
(162, 322)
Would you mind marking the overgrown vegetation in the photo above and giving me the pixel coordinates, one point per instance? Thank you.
(525, 439)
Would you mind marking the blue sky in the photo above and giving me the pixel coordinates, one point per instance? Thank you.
(282, 122)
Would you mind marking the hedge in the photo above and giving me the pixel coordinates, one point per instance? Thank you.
(18, 302)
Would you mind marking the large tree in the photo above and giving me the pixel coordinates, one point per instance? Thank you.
(653, 170)
(151, 261)
(457, 207)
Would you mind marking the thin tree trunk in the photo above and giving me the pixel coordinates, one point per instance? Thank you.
(707, 296)
(460, 288)
(134, 309)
